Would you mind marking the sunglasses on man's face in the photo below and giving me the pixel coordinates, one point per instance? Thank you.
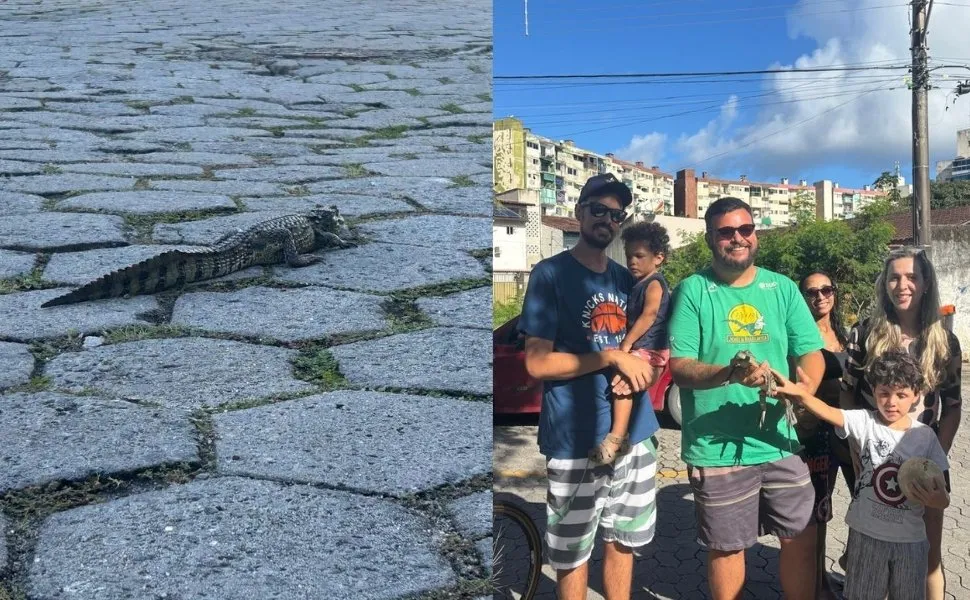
(727, 233)
(598, 210)
(825, 291)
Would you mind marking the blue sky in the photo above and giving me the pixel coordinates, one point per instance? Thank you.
(843, 126)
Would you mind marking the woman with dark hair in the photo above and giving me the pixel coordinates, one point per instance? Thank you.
(906, 314)
(825, 452)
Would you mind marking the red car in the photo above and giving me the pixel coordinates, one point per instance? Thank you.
(516, 393)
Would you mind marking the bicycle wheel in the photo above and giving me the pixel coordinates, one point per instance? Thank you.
(516, 553)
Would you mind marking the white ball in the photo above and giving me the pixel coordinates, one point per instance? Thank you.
(918, 469)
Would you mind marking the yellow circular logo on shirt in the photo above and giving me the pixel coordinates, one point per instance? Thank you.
(746, 324)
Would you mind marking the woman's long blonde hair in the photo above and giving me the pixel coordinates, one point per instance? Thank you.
(932, 345)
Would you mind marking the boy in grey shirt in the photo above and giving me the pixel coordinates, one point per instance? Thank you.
(887, 547)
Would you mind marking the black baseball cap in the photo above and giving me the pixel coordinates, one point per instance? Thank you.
(606, 184)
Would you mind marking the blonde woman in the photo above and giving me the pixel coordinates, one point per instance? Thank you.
(906, 314)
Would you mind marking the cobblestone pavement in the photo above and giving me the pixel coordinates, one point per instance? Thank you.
(282, 432)
(673, 566)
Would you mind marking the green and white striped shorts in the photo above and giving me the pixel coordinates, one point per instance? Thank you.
(620, 498)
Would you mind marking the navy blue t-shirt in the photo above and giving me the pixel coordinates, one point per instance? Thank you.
(580, 311)
(656, 337)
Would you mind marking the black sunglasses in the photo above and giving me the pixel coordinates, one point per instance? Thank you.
(727, 233)
(598, 210)
(825, 291)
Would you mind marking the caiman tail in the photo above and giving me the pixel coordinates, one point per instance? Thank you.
(168, 270)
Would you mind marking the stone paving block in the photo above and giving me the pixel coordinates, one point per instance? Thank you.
(197, 158)
(472, 308)
(208, 231)
(148, 202)
(77, 268)
(48, 437)
(434, 193)
(179, 372)
(24, 319)
(13, 203)
(384, 268)
(134, 169)
(349, 205)
(388, 443)
(194, 134)
(60, 231)
(443, 167)
(13, 263)
(58, 156)
(227, 188)
(451, 359)
(61, 184)
(18, 364)
(282, 174)
(237, 538)
(473, 514)
(286, 315)
(9, 168)
(435, 231)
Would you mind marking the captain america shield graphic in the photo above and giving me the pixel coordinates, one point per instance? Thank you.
(886, 486)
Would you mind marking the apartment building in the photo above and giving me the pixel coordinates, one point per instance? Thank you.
(957, 169)
(557, 170)
(773, 204)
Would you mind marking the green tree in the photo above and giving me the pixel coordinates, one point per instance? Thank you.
(688, 259)
(502, 312)
(887, 182)
(801, 208)
(949, 194)
(852, 252)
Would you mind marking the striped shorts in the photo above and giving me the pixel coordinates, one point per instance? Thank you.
(620, 499)
(877, 569)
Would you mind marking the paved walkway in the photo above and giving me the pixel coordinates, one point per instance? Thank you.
(673, 566)
(281, 433)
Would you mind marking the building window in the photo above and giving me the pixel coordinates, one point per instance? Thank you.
(570, 171)
(510, 230)
(497, 251)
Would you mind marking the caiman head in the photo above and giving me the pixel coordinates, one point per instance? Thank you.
(327, 219)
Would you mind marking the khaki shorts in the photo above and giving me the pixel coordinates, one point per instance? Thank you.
(734, 505)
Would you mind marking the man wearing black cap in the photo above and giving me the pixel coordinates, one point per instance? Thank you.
(574, 317)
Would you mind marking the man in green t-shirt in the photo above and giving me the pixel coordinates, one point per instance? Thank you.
(743, 474)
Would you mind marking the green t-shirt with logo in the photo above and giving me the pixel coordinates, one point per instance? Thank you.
(710, 322)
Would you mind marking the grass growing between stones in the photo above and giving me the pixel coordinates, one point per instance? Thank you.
(453, 108)
(37, 384)
(318, 366)
(134, 333)
(478, 138)
(404, 315)
(141, 226)
(391, 132)
(11, 593)
(462, 181)
(458, 550)
(47, 349)
(442, 289)
(356, 171)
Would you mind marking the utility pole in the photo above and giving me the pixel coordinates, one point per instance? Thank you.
(921, 151)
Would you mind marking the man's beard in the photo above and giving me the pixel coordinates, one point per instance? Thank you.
(594, 241)
(734, 264)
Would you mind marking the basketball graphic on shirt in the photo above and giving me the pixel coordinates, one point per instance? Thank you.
(609, 318)
(746, 324)
(886, 485)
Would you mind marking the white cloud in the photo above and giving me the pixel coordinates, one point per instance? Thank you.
(648, 149)
(810, 120)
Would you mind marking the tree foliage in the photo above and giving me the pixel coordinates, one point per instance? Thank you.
(949, 194)
(851, 252)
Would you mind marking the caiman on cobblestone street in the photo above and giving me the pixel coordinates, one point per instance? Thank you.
(283, 239)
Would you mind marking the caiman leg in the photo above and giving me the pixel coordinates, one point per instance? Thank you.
(333, 240)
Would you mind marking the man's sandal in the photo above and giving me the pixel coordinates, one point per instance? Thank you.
(606, 452)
